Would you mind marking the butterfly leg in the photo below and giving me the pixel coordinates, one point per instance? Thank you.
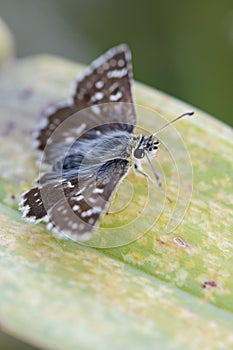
(109, 205)
(139, 169)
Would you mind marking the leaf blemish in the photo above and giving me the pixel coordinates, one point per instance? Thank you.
(180, 242)
(8, 128)
(25, 94)
(161, 241)
(207, 284)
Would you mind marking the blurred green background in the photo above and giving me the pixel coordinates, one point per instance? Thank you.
(184, 48)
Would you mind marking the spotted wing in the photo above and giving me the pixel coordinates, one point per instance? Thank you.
(74, 208)
(107, 79)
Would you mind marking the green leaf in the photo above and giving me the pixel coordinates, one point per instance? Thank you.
(163, 291)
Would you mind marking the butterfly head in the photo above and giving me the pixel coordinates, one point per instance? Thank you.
(145, 144)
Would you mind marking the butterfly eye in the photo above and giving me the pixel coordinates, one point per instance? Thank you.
(139, 153)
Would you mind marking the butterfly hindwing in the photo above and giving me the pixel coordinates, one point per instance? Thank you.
(31, 205)
(77, 214)
(74, 209)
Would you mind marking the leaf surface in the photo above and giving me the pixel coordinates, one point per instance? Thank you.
(163, 291)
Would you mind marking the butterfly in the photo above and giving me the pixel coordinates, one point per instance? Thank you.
(88, 146)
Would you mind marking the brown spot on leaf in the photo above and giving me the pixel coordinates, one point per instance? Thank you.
(211, 284)
(25, 94)
(8, 128)
(161, 241)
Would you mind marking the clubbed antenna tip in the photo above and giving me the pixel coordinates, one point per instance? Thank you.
(174, 120)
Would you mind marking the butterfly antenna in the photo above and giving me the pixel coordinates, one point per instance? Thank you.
(173, 121)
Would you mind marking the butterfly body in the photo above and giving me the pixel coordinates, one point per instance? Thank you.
(85, 156)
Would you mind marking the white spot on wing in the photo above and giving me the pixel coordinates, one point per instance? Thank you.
(96, 209)
(52, 126)
(114, 86)
(117, 73)
(97, 96)
(92, 200)
(91, 211)
(70, 139)
(74, 226)
(80, 129)
(81, 191)
(91, 221)
(116, 97)
(99, 84)
(76, 207)
(113, 62)
(98, 190)
(49, 226)
(50, 110)
(95, 109)
(121, 63)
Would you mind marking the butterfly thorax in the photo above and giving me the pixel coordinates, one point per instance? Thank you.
(86, 156)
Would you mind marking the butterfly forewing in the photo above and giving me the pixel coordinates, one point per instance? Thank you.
(88, 124)
(108, 79)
